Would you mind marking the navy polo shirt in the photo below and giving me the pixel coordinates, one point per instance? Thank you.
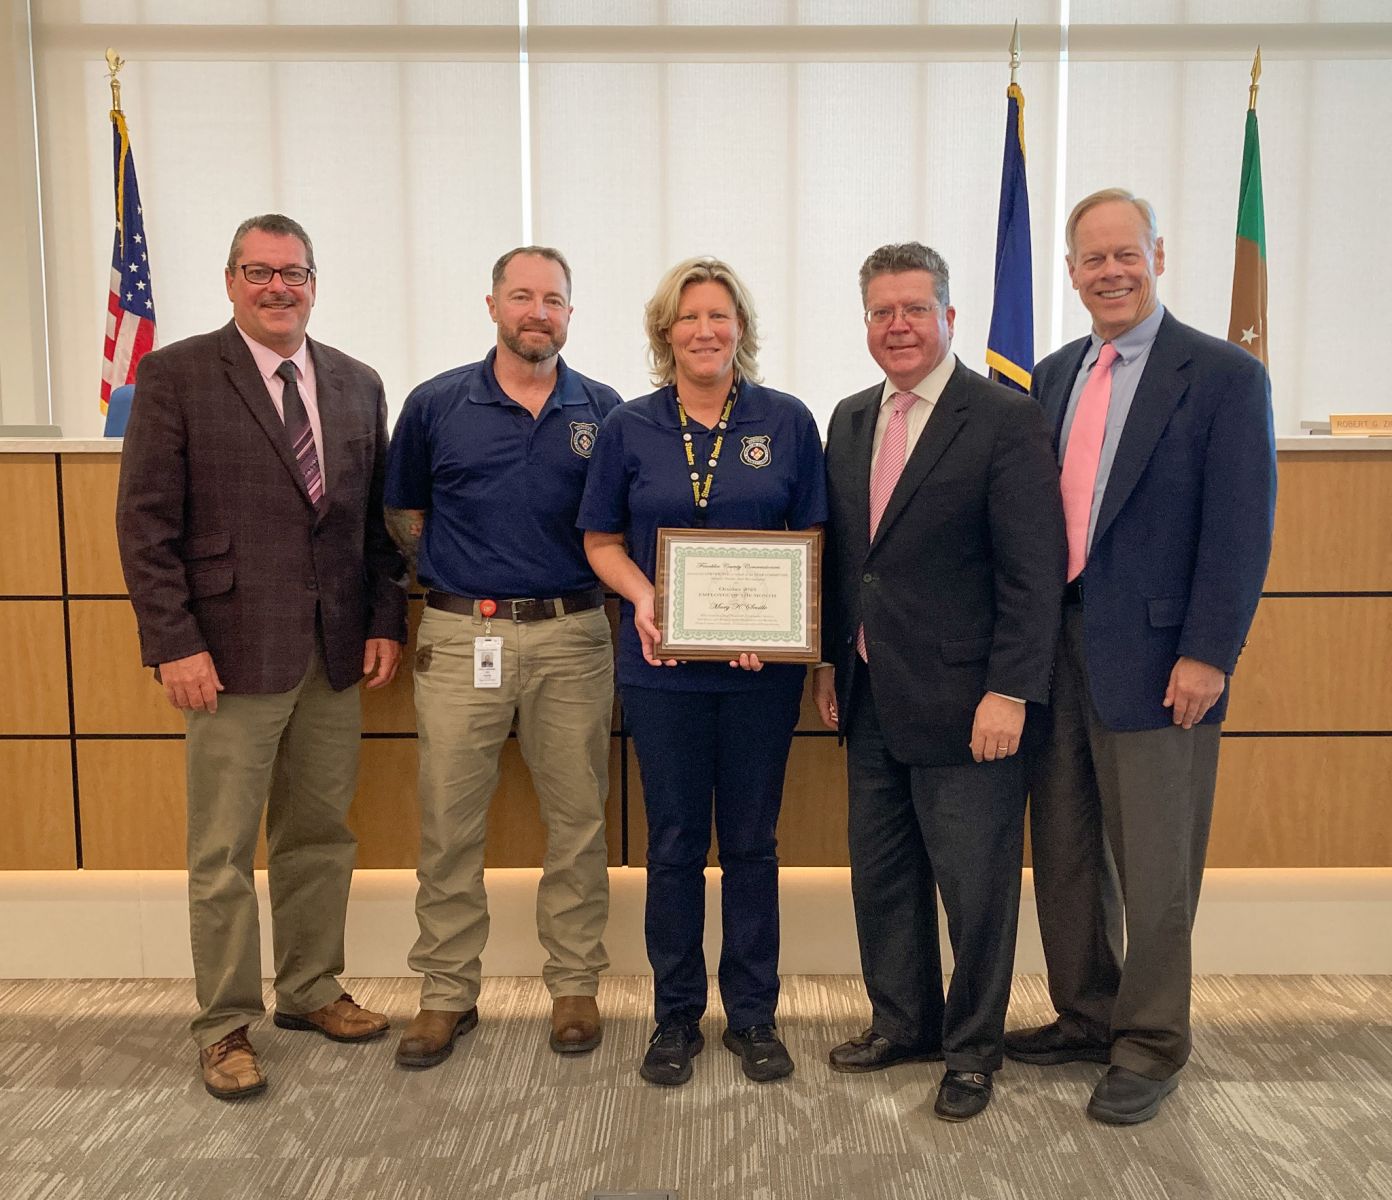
(502, 489)
(770, 476)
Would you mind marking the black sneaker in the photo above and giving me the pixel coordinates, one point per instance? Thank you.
(762, 1055)
(671, 1048)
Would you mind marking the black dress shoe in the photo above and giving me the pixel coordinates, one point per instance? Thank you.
(1122, 1097)
(671, 1048)
(874, 1052)
(1049, 1045)
(763, 1056)
(963, 1094)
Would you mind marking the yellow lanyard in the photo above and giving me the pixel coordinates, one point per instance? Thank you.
(701, 488)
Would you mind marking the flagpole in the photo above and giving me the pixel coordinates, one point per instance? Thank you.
(1247, 318)
(1010, 339)
(114, 63)
(130, 302)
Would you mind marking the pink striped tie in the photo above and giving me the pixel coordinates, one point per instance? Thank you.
(1079, 477)
(888, 467)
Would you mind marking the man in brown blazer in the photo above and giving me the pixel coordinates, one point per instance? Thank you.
(266, 587)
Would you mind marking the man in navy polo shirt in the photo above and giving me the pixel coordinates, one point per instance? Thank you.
(484, 479)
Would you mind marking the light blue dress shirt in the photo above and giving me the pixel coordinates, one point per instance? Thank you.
(1133, 350)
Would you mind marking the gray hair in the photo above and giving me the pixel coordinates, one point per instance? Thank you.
(275, 223)
(898, 257)
(1107, 196)
(660, 314)
(549, 252)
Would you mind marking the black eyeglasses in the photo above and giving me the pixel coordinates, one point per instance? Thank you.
(290, 276)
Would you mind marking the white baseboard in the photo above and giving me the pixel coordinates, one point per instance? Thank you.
(132, 924)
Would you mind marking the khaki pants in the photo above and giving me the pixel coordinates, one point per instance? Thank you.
(293, 755)
(558, 678)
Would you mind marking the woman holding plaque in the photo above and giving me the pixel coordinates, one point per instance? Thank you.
(710, 448)
(714, 448)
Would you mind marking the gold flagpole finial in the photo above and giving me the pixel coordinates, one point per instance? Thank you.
(1015, 51)
(1256, 74)
(114, 63)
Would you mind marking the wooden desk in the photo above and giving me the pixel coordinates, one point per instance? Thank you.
(91, 753)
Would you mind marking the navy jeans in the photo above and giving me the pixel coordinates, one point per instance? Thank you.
(732, 747)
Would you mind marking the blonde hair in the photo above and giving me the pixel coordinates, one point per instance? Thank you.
(1106, 196)
(660, 314)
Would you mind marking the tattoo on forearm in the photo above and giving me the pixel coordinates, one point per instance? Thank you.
(405, 526)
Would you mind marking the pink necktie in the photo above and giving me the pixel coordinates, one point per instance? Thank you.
(888, 467)
(1080, 459)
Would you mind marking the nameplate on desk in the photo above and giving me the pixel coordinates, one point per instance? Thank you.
(1360, 424)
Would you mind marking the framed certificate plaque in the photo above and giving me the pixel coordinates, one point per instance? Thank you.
(724, 592)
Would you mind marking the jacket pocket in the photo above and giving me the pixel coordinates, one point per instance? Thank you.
(965, 650)
(206, 545)
(1166, 611)
(210, 581)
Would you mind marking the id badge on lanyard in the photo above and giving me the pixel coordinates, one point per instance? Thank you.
(488, 651)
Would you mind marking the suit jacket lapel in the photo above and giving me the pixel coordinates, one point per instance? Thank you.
(948, 416)
(863, 418)
(1056, 405)
(1161, 385)
(247, 381)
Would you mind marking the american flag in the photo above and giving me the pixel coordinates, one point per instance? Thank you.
(130, 308)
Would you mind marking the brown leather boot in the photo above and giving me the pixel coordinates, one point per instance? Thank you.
(575, 1025)
(429, 1038)
(230, 1069)
(342, 1021)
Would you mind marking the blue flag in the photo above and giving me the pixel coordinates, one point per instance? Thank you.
(1010, 344)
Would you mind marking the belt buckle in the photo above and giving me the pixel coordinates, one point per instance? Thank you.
(514, 605)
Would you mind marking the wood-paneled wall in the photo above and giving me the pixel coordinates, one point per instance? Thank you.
(92, 755)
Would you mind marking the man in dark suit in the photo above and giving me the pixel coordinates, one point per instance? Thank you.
(265, 587)
(1164, 437)
(944, 565)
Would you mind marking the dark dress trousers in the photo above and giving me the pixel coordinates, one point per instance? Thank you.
(1121, 797)
(959, 595)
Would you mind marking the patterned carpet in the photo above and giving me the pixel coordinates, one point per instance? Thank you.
(1289, 1095)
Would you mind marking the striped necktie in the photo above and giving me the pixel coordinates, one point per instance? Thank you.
(889, 465)
(301, 435)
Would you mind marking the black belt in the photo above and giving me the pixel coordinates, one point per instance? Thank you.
(1073, 591)
(528, 609)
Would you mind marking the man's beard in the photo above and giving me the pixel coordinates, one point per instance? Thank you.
(531, 352)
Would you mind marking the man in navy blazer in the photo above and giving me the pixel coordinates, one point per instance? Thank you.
(1168, 547)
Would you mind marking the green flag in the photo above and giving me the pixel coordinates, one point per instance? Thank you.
(1247, 324)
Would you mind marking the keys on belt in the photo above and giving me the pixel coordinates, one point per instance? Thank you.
(518, 610)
